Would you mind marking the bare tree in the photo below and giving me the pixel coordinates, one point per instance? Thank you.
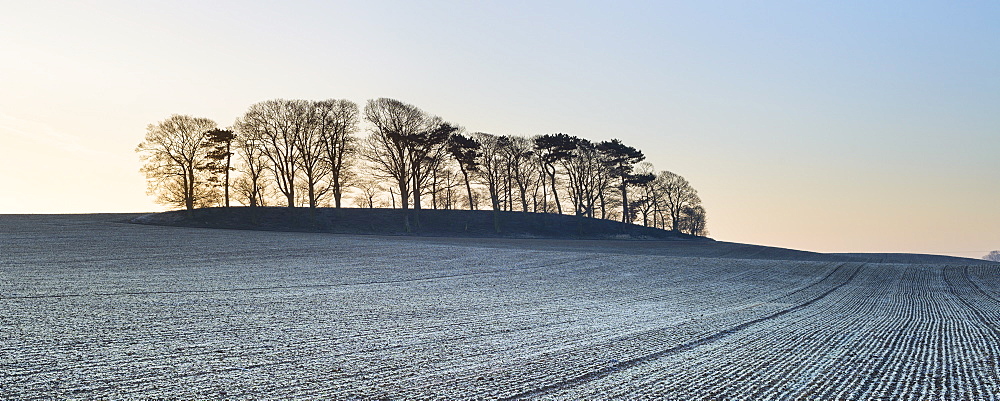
(493, 170)
(523, 169)
(492, 165)
(447, 181)
(388, 147)
(993, 256)
(278, 127)
(337, 122)
(370, 188)
(173, 151)
(249, 193)
(428, 150)
(677, 194)
(693, 220)
(646, 198)
(584, 169)
(311, 148)
(252, 165)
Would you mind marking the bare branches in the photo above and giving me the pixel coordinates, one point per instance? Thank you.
(173, 152)
(308, 150)
(677, 194)
(336, 123)
(388, 147)
(277, 127)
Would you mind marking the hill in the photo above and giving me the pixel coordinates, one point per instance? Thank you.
(189, 313)
(912, 258)
(433, 223)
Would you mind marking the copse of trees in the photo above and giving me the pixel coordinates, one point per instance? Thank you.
(308, 153)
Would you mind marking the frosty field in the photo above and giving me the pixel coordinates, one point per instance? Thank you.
(93, 307)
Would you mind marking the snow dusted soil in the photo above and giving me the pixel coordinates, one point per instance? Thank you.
(93, 307)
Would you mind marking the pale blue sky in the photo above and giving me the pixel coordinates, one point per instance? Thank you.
(837, 126)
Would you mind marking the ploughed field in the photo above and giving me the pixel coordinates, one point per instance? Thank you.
(93, 307)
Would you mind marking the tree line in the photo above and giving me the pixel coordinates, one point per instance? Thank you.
(312, 153)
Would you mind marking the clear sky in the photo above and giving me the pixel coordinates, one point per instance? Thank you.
(825, 126)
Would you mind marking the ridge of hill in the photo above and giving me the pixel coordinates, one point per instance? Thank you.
(425, 222)
(560, 232)
(920, 258)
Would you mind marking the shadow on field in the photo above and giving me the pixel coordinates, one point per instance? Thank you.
(433, 223)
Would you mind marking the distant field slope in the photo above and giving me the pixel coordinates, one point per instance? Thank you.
(95, 308)
(910, 258)
(458, 223)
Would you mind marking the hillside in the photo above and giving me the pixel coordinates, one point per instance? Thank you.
(188, 313)
(433, 223)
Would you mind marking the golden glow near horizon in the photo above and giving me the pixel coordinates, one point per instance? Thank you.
(833, 127)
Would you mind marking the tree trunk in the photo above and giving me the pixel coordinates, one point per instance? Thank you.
(255, 193)
(416, 206)
(229, 156)
(312, 195)
(434, 189)
(494, 196)
(545, 195)
(416, 195)
(624, 201)
(404, 196)
(604, 210)
(188, 191)
(555, 194)
(468, 188)
(290, 196)
(337, 192)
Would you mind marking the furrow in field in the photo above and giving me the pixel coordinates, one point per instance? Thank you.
(696, 342)
(896, 333)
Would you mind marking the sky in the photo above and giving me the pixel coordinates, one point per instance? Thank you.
(847, 126)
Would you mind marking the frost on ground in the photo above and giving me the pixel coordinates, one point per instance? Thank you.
(96, 308)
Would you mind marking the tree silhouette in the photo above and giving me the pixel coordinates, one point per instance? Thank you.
(307, 148)
(519, 154)
(173, 151)
(620, 160)
(465, 151)
(677, 194)
(277, 126)
(252, 166)
(692, 220)
(219, 143)
(302, 116)
(584, 169)
(491, 165)
(428, 148)
(337, 121)
(393, 125)
(553, 148)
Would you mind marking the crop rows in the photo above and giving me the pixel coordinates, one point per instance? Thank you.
(98, 309)
(898, 332)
